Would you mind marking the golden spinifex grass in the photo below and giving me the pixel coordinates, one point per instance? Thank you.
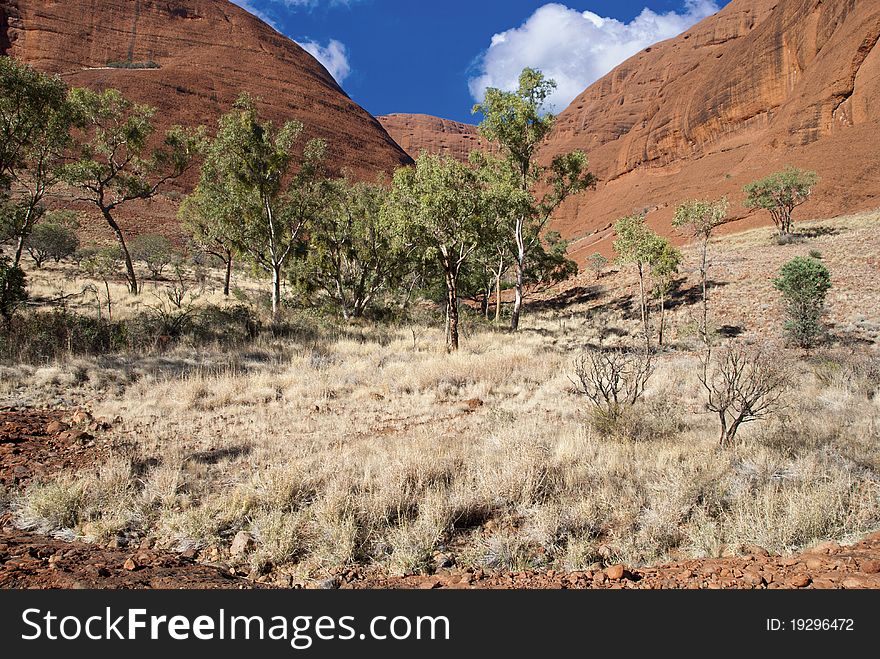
(371, 445)
(381, 452)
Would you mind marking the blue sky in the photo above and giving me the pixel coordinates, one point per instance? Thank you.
(438, 57)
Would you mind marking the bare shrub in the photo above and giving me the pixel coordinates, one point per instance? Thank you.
(744, 385)
(613, 381)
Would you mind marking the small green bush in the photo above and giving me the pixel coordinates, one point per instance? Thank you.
(804, 282)
(51, 240)
(155, 251)
(13, 289)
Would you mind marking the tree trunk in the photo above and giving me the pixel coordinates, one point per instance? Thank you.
(451, 312)
(644, 306)
(520, 261)
(486, 303)
(705, 281)
(228, 276)
(129, 266)
(109, 302)
(498, 299)
(723, 419)
(276, 290)
(518, 297)
(662, 319)
(19, 248)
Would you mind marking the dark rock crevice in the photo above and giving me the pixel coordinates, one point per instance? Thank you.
(5, 42)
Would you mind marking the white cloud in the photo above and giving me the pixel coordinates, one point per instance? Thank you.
(248, 6)
(576, 48)
(334, 57)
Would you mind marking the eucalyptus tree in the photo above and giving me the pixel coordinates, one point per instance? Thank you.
(120, 161)
(264, 187)
(35, 131)
(699, 219)
(518, 123)
(439, 206)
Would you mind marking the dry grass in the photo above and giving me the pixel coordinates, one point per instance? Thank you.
(379, 452)
(372, 445)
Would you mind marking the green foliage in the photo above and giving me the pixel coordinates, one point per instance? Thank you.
(438, 208)
(150, 64)
(700, 217)
(665, 261)
(550, 263)
(637, 244)
(597, 263)
(101, 262)
(35, 124)
(780, 193)
(13, 289)
(352, 255)
(117, 161)
(154, 250)
(634, 237)
(804, 283)
(51, 240)
(518, 124)
(259, 190)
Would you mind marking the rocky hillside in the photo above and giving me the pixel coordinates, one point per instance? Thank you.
(761, 84)
(421, 132)
(205, 53)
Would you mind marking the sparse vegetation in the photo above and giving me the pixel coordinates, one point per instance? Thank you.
(803, 283)
(518, 123)
(154, 251)
(597, 263)
(51, 240)
(324, 444)
(613, 380)
(117, 163)
(743, 386)
(700, 219)
(780, 193)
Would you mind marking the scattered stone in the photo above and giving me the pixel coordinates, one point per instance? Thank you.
(798, 581)
(242, 543)
(870, 566)
(56, 427)
(814, 563)
(852, 582)
(615, 572)
(130, 564)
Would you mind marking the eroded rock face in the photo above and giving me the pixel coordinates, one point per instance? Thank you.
(761, 84)
(208, 52)
(420, 132)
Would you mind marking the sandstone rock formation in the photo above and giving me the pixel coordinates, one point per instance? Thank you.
(207, 51)
(761, 84)
(420, 132)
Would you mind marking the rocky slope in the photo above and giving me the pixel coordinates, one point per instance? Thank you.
(761, 84)
(420, 132)
(208, 52)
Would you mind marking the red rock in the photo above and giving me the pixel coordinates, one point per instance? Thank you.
(420, 132)
(208, 51)
(56, 427)
(798, 581)
(686, 118)
(870, 566)
(854, 582)
(615, 572)
(814, 563)
(130, 565)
